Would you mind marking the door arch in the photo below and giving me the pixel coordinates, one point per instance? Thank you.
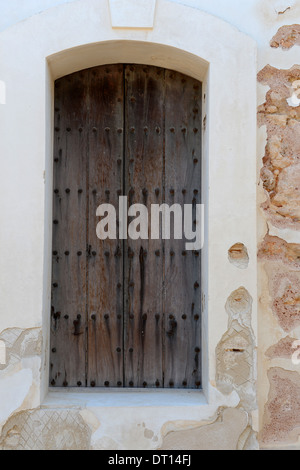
(124, 313)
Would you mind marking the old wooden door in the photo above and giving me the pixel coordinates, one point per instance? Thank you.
(125, 313)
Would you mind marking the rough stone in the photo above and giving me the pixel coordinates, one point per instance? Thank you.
(282, 411)
(285, 293)
(20, 344)
(274, 249)
(283, 349)
(280, 173)
(238, 256)
(286, 37)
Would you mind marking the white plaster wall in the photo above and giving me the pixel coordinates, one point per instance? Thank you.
(210, 50)
(260, 19)
(88, 23)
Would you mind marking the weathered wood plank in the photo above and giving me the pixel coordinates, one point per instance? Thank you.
(144, 116)
(105, 272)
(68, 315)
(182, 268)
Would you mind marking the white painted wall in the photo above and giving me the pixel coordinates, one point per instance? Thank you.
(258, 18)
(42, 40)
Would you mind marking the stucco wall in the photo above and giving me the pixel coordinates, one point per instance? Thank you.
(251, 384)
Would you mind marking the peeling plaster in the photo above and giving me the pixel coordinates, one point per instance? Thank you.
(46, 430)
(19, 384)
(20, 372)
(279, 251)
(238, 256)
(287, 36)
(20, 343)
(223, 434)
(235, 351)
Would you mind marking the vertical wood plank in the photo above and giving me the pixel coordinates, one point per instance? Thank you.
(68, 314)
(144, 121)
(182, 268)
(105, 275)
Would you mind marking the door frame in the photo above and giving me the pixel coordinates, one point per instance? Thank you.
(224, 60)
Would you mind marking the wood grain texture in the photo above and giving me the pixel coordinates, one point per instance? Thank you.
(144, 121)
(125, 313)
(105, 259)
(68, 315)
(182, 267)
